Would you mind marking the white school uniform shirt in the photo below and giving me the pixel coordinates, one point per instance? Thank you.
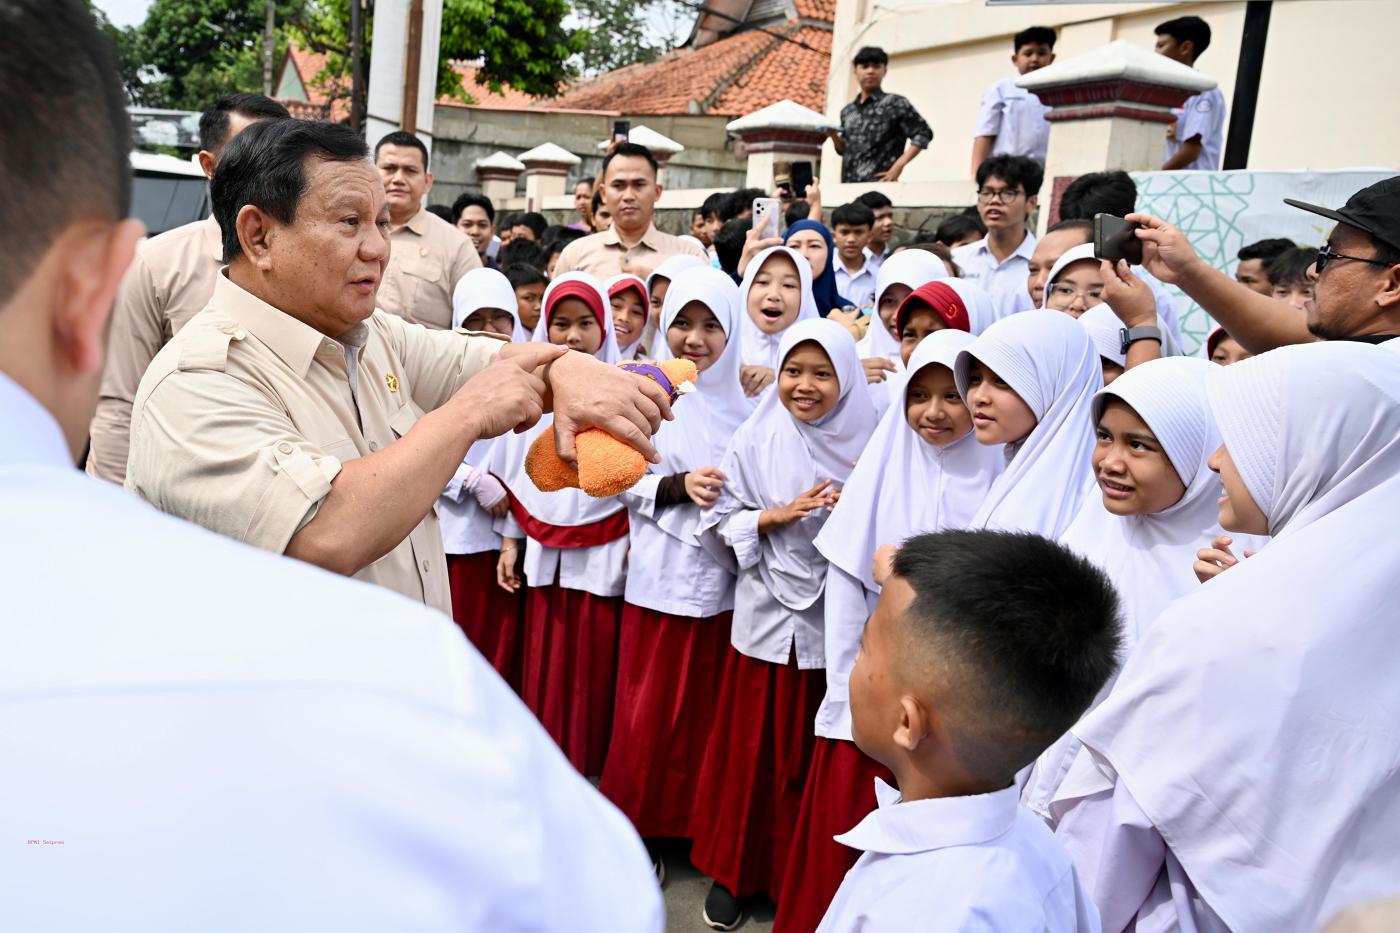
(277, 746)
(1016, 117)
(1005, 281)
(954, 864)
(857, 287)
(771, 460)
(599, 569)
(1265, 753)
(1201, 115)
(669, 570)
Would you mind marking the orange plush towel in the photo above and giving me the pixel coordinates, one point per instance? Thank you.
(606, 465)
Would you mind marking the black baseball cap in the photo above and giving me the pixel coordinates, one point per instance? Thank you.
(1374, 210)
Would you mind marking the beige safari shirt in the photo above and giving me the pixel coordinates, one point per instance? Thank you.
(603, 254)
(244, 419)
(168, 283)
(427, 257)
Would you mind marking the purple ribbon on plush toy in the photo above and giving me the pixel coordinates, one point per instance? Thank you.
(655, 372)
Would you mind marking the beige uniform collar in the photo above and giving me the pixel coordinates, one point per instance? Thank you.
(610, 237)
(415, 224)
(294, 342)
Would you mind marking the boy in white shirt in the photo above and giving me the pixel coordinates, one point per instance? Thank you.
(1197, 138)
(983, 649)
(1011, 120)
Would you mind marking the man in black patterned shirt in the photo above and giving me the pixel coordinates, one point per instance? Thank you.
(875, 126)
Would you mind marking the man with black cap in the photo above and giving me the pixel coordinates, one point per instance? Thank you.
(1357, 275)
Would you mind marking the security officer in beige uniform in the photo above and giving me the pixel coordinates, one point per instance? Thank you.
(292, 415)
(430, 255)
(169, 282)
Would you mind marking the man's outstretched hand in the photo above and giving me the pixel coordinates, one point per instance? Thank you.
(587, 393)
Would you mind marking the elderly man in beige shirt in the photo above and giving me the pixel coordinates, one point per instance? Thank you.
(632, 244)
(430, 256)
(292, 415)
(170, 280)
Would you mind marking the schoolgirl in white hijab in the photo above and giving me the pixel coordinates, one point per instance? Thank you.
(657, 284)
(474, 499)
(759, 344)
(1029, 381)
(1242, 772)
(1105, 330)
(897, 277)
(575, 568)
(675, 622)
(904, 484)
(634, 344)
(1089, 269)
(1155, 507)
(772, 506)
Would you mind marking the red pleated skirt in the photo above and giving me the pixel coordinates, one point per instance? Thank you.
(669, 669)
(491, 618)
(840, 793)
(754, 771)
(570, 669)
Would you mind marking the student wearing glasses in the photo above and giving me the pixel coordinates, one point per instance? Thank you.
(1007, 188)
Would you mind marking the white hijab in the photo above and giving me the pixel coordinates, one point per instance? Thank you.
(759, 348)
(565, 507)
(981, 310)
(673, 266)
(486, 288)
(1170, 346)
(1048, 361)
(910, 268)
(1256, 722)
(902, 485)
(774, 457)
(1103, 328)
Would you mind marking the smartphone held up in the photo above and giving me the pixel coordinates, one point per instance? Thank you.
(1116, 238)
(767, 217)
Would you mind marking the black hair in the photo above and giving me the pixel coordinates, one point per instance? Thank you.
(560, 235)
(535, 221)
(1266, 250)
(590, 181)
(510, 220)
(64, 149)
(729, 244)
(854, 214)
(519, 251)
(713, 205)
(1099, 193)
(1291, 266)
(265, 166)
(632, 150)
(443, 211)
(597, 202)
(1187, 28)
(1035, 35)
(1076, 223)
(957, 228)
(402, 138)
(1027, 632)
(871, 55)
(797, 210)
(875, 200)
(1017, 171)
(214, 122)
(521, 274)
(467, 200)
(739, 201)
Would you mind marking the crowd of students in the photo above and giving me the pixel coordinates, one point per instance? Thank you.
(697, 642)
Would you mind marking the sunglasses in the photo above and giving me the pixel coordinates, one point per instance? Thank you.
(1326, 254)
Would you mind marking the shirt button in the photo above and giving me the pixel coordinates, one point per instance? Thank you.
(425, 566)
(284, 447)
(373, 445)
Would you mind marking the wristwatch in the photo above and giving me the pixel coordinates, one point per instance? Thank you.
(1127, 336)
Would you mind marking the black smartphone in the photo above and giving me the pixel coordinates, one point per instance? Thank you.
(801, 178)
(621, 130)
(1115, 239)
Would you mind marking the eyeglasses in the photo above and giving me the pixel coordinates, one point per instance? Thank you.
(1000, 195)
(1065, 295)
(1326, 255)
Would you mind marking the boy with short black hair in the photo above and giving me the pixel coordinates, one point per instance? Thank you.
(960, 230)
(1007, 192)
(1196, 140)
(729, 246)
(602, 215)
(851, 226)
(1288, 276)
(985, 647)
(879, 247)
(528, 283)
(1011, 120)
(1253, 270)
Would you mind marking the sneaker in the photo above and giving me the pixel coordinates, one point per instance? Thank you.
(721, 910)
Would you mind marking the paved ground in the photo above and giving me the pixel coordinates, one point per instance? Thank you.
(685, 895)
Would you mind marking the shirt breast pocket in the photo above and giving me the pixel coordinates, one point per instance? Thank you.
(404, 419)
(343, 450)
